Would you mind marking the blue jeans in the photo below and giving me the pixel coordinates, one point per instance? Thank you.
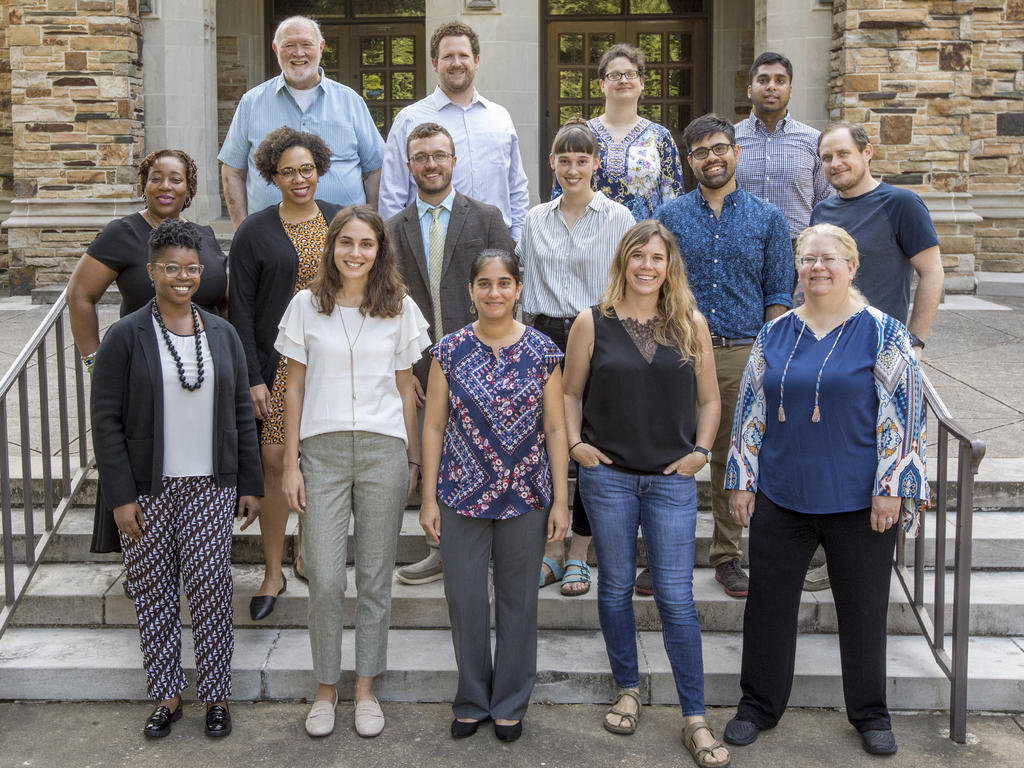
(665, 508)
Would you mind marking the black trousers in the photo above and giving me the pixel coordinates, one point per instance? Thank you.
(557, 329)
(859, 567)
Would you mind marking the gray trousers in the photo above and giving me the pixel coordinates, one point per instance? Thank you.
(500, 688)
(363, 476)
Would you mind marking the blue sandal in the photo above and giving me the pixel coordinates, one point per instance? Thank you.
(556, 574)
(576, 572)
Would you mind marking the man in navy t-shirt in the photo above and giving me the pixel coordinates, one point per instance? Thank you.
(891, 226)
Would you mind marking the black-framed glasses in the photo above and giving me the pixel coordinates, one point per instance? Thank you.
(173, 270)
(702, 152)
(306, 170)
(616, 76)
(421, 158)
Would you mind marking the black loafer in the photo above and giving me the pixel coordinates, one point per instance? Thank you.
(508, 732)
(740, 732)
(262, 606)
(159, 723)
(218, 721)
(880, 742)
(463, 730)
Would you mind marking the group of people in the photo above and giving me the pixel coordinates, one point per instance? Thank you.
(375, 343)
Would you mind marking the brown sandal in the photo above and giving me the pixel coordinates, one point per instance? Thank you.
(631, 717)
(701, 754)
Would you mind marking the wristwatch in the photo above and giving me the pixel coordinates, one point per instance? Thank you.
(705, 451)
(916, 342)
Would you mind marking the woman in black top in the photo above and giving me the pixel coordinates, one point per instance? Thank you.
(643, 356)
(120, 252)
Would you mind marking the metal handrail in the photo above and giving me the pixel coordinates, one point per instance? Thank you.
(953, 665)
(70, 480)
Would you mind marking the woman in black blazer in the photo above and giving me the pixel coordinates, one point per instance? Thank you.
(175, 442)
(274, 255)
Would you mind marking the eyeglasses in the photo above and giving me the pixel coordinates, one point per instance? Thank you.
(421, 158)
(173, 270)
(702, 152)
(306, 170)
(826, 261)
(616, 76)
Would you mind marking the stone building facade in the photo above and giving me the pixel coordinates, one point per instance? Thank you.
(88, 86)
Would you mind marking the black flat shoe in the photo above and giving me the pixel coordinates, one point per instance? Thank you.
(879, 742)
(159, 723)
(218, 721)
(463, 730)
(508, 732)
(262, 606)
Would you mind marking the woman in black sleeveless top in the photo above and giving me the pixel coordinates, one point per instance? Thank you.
(644, 358)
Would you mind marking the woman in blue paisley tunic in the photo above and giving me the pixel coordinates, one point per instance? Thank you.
(640, 164)
(828, 447)
(494, 482)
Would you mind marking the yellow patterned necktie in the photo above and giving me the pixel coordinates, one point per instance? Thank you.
(435, 265)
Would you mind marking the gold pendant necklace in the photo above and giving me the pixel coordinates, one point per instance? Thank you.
(351, 356)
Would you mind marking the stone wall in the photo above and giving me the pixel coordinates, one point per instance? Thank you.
(6, 139)
(76, 110)
(997, 134)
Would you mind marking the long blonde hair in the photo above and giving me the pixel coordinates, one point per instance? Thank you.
(674, 326)
(846, 243)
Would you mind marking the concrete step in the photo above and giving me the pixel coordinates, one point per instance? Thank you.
(1000, 283)
(572, 667)
(998, 540)
(90, 594)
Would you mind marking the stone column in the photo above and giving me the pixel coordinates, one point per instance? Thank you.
(76, 109)
(801, 30)
(903, 69)
(180, 64)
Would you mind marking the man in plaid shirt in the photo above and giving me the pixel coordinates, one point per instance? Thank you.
(779, 160)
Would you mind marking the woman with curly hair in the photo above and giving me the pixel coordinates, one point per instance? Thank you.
(274, 255)
(120, 254)
(643, 357)
(350, 341)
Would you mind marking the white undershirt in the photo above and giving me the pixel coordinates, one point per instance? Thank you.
(303, 97)
(188, 416)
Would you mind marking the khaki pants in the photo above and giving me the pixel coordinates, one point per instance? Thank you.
(730, 363)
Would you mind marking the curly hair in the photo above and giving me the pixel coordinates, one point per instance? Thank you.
(384, 288)
(191, 170)
(453, 29)
(274, 144)
(172, 233)
(674, 325)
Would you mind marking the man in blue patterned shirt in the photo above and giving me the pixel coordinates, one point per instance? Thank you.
(779, 161)
(739, 260)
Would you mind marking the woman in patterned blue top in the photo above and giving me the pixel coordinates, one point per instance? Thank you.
(828, 447)
(495, 476)
(640, 163)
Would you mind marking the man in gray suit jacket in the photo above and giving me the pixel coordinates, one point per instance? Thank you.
(436, 239)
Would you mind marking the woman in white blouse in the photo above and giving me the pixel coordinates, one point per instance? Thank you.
(351, 339)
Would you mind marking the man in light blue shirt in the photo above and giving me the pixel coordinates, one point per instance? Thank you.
(490, 168)
(303, 98)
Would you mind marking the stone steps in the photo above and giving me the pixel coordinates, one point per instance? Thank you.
(998, 541)
(274, 664)
(90, 594)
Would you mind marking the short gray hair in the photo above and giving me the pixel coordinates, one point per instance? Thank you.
(295, 19)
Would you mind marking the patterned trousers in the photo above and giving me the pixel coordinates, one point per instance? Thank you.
(187, 537)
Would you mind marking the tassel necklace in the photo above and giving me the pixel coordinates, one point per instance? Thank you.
(816, 413)
(174, 352)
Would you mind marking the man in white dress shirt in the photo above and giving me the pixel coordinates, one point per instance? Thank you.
(490, 168)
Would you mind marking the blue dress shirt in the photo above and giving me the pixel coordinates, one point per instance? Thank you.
(426, 219)
(337, 115)
(738, 263)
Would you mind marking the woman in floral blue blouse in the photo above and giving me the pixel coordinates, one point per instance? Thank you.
(495, 476)
(640, 163)
(828, 447)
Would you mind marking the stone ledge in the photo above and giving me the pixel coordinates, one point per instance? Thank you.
(950, 207)
(35, 213)
(998, 205)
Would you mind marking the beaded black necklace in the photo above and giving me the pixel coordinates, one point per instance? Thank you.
(174, 352)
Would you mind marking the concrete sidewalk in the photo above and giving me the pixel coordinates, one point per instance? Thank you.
(271, 734)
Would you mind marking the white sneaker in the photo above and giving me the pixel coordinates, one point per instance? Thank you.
(320, 720)
(369, 718)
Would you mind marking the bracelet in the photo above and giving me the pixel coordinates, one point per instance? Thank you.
(578, 442)
(89, 360)
(415, 464)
